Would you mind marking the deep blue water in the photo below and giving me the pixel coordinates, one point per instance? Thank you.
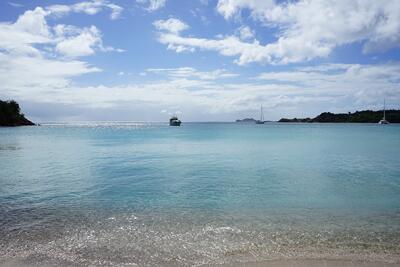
(119, 193)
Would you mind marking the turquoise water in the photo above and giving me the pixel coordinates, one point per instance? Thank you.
(203, 193)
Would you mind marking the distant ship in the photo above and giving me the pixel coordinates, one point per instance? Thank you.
(261, 120)
(174, 121)
(383, 120)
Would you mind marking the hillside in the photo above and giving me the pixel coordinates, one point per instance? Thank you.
(366, 116)
(10, 114)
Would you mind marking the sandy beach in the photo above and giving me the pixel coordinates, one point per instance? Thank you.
(269, 263)
(312, 263)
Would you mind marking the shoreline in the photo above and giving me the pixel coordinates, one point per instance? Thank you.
(311, 263)
(19, 262)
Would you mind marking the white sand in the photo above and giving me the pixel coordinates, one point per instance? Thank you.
(312, 263)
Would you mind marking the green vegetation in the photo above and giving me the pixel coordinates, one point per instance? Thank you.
(295, 120)
(366, 116)
(10, 114)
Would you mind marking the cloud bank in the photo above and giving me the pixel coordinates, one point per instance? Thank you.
(306, 29)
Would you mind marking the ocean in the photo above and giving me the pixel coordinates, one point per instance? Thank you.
(146, 194)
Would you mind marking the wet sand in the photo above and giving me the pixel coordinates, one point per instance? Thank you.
(267, 263)
(312, 263)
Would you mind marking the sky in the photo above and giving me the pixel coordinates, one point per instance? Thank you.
(204, 60)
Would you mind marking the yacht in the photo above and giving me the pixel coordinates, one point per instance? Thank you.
(174, 121)
(383, 120)
(261, 120)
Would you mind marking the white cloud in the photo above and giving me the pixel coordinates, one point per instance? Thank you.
(300, 92)
(115, 11)
(75, 42)
(305, 30)
(153, 5)
(88, 7)
(15, 4)
(23, 74)
(33, 21)
(156, 4)
(229, 8)
(366, 85)
(80, 45)
(228, 46)
(310, 29)
(36, 57)
(188, 72)
(31, 29)
(245, 33)
(170, 25)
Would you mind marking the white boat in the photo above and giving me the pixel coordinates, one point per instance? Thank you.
(383, 120)
(174, 121)
(261, 120)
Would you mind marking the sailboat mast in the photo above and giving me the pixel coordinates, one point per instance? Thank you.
(384, 109)
(261, 115)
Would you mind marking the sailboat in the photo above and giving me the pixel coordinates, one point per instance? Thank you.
(261, 120)
(383, 120)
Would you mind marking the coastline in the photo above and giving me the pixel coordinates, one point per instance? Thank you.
(264, 263)
(312, 263)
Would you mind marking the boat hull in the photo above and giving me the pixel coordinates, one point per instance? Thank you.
(175, 123)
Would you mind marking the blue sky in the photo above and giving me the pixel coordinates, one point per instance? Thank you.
(143, 60)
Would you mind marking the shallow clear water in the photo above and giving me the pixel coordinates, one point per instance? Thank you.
(203, 193)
